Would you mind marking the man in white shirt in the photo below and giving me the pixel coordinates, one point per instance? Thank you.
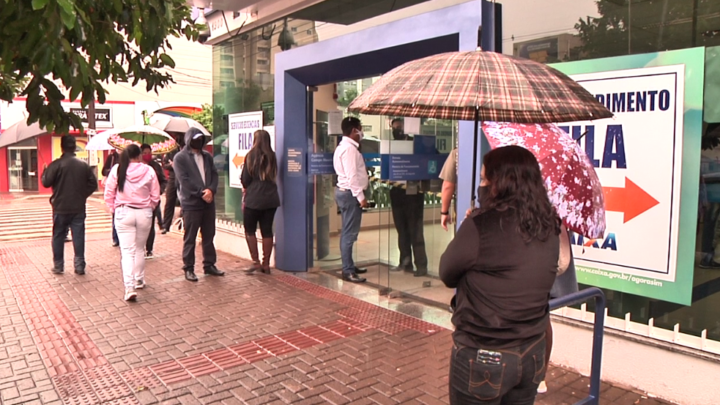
(349, 195)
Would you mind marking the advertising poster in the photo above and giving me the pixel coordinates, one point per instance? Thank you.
(648, 159)
(240, 140)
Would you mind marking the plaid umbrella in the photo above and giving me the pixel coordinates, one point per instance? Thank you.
(572, 184)
(479, 86)
(497, 87)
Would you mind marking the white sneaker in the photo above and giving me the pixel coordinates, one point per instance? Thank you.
(130, 294)
(139, 284)
(542, 388)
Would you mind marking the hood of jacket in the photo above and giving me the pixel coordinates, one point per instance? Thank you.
(189, 134)
(137, 171)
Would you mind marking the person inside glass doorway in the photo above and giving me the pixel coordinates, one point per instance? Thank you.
(408, 203)
(349, 195)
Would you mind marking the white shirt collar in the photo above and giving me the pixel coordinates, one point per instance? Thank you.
(351, 141)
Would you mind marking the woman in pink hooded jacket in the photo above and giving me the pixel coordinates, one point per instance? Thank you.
(132, 192)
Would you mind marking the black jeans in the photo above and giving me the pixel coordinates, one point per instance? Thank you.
(151, 237)
(407, 211)
(61, 224)
(203, 221)
(115, 238)
(513, 381)
(170, 202)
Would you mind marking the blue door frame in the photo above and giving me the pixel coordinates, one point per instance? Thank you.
(361, 54)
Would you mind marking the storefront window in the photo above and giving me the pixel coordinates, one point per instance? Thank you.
(587, 30)
(243, 81)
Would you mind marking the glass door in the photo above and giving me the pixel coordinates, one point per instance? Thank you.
(415, 236)
(22, 167)
(327, 217)
(401, 238)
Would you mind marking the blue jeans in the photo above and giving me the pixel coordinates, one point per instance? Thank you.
(511, 381)
(61, 223)
(351, 216)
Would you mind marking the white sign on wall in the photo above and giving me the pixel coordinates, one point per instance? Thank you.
(240, 140)
(638, 158)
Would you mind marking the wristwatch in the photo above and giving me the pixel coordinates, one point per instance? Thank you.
(445, 213)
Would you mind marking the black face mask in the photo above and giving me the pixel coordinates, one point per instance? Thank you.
(398, 134)
(196, 144)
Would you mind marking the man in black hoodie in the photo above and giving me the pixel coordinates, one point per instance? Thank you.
(197, 181)
(72, 181)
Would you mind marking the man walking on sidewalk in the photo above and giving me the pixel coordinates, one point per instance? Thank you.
(197, 180)
(349, 195)
(72, 181)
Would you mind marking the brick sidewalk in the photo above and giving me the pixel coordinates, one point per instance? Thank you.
(252, 339)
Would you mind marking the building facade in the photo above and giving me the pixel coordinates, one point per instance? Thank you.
(655, 64)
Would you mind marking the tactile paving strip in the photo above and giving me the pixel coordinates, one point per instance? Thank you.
(364, 313)
(174, 371)
(80, 372)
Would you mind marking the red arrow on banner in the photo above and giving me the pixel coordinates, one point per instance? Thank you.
(238, 160)
(631, 200)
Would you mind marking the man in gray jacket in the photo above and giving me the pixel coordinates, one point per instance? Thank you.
(197, 181)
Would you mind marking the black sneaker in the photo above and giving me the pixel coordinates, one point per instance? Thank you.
(116, 244)
(149, 255)
(56, 270)
(353, 278)
(80, 272)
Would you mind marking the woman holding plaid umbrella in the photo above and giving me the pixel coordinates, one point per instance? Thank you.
(487, 86)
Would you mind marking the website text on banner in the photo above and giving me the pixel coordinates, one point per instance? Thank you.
(641, 157)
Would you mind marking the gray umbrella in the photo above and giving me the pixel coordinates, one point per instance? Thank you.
(19, 132)
(177, 124)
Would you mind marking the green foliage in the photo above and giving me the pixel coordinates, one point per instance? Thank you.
(205, 117)
(219, 124)
(640, 26)
(347, 98)
(83, 44)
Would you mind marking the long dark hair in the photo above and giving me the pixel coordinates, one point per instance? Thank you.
(515, 182)
(261, 161)
(129, 153)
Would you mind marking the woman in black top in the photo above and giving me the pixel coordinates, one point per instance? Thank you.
(260, 199)
(503, 262)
